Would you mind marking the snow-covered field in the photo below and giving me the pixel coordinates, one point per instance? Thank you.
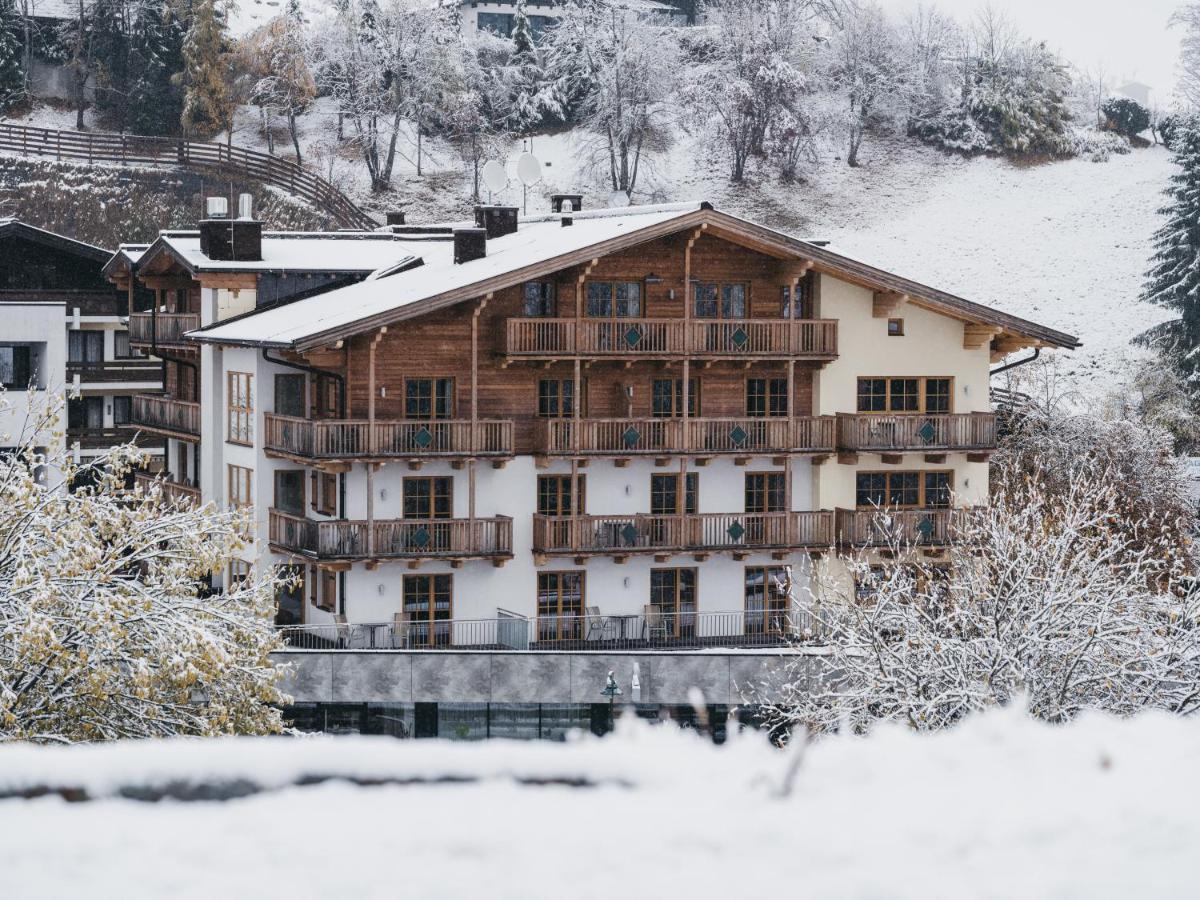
(1001, 807)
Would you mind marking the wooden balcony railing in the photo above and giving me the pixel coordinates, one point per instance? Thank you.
(116, 371)
(701, 436)
(917, 431)
(898, 527)
(173, 491)
(617, 535)
(165, 415)
(170, 327)
(489, 538)
(785, 338)
(337, 439)
(107, 438)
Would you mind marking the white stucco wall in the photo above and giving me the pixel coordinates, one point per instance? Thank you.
(35, 323)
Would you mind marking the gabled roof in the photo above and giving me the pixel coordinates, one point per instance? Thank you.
(20, 229)
(125, 258)
(542, 246)
(335, 252)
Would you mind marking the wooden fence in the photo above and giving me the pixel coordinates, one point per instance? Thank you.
(201, 155)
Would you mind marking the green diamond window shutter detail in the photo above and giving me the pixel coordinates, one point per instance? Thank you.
(925, 527)
(927, 432)
(739, 338)
(420, 537)
(629, 533)
(631, 436)
(633, 336)
(738, 435)
(423, 438)
(736, 531)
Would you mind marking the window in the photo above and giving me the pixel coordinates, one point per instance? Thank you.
(428, 606)
(240, 487)
(324, 493)
(795, 301)
(289, 395)
(895, 328)
(905, 395)
(719, 301)
(665, 494)
(539, 299)
(766, 492)
(289, 596)
(556, 398)
(560, 605)
(914, 490)
(428, 498)
(326, 591)
(85, 412)
(289, 491)
(766, 397)
(16, 366)
(497, 23)
(239, 573)
(672, 603)
(429, 398)
(122, 410)
(85, 346)
(614, 299)
(240, 409)
(767, 600)
(328, 400)
(554, 495)
(667, 397)
(121, 348)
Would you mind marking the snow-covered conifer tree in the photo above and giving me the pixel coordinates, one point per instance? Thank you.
(207, 104)
(156, 51)
(12, 70)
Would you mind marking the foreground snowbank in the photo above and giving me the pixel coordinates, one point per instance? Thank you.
(1000, 807)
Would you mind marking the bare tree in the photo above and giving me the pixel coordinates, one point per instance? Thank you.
(867, 69)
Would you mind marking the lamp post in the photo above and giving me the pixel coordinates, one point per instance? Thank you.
(611, 690)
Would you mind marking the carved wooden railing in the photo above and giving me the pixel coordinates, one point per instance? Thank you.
(805, 434)
(898, 527)
(917, 431)
(668, 337)
(173, 491)
(392, 538)
(162, 413)
(338, 438)
(618, 534)
(170, 327)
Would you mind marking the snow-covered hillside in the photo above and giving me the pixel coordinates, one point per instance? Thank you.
(1000, 807)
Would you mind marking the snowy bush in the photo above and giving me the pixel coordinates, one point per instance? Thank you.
(1124, 116)
(106, 630)
(1090, 144)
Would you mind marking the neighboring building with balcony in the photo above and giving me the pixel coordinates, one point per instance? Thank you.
(653, 427)
(64, 332)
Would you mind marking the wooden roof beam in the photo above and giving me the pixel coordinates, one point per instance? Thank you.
(976, 336)
(887, 304)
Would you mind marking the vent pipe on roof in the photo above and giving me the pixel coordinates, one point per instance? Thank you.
(469, 244)
(565, 203)
(567, 221)
(245, 206)
(395, 217)
(496, 220)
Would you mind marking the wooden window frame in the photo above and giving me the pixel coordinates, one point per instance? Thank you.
(690, 492)
(239, 420)
(432, 482)
(275, 492)
(769, 395)
(695, 398)
(573, 627)
(579, 501)
(553, 300)
(434, 635)
(433, 398)
(787, 299)
(922, 395)
(236, 478)
(766, 492)
(922, 487)
(895, 327)
(290, 377)
(239, 571)
(721, 286)
(678, 621)
(557, 396)
(320, 486)
(776, 601)
(612, 298)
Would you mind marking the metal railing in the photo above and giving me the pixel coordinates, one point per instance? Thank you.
(413, 438)
(801, 434)
(162, 413)
(392, 538)
(114, 371)
(617, 535)
(161, 328)
(651, 630)
(815, 338)
(200, 155)
(898, 527)
(917, 431)
(173, 491)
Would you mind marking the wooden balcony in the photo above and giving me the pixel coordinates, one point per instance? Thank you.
(116, 371)
(162, 328)
(699, 437)
(334, 439)
(173, 492)
(898, 528)
(411, 539)
(164, 415)
(658, 338)
(916, 432)
(97, 440)
(739, 533)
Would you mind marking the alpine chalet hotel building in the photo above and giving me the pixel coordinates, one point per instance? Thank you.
(642, 427)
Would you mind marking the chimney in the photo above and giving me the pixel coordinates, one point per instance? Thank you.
(226, 240)
(496, 220)
(469, 244)
(567, 221)
(396, 217)
(566, 203)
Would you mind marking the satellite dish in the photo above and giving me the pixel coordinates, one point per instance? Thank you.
(494, 176)
(529, 170)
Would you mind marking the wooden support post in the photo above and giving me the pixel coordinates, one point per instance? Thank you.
(479, 308)
(371, 441)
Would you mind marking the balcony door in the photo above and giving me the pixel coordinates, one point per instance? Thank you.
(289, 395)
(672, 609)
(428, 610)
(428, 503)
(724, 305)
(85, 412)
(85, 346)
(766, 493)
(289, 491)
(560, 599)
(554, 500)
(289, 599)
(673, 495)
(767, 600)
(614, 303)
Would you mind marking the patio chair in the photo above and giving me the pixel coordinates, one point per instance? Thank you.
(655, 624)
(595, 624)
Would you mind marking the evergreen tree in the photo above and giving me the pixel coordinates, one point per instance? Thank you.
(112, 24)
(156, 58)
(532, 98)
(207, 104)
(1173, 280)
(522, 34)
(12, 71)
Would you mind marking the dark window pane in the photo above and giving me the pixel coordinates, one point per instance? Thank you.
(937, 395)
(705, 298)
(937, 490)
(289, 395)
(733, 301)
(871, 489)
(872, 395)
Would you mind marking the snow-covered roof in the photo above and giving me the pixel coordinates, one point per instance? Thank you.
(291, 251)
(541, 246)
(51, 237)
